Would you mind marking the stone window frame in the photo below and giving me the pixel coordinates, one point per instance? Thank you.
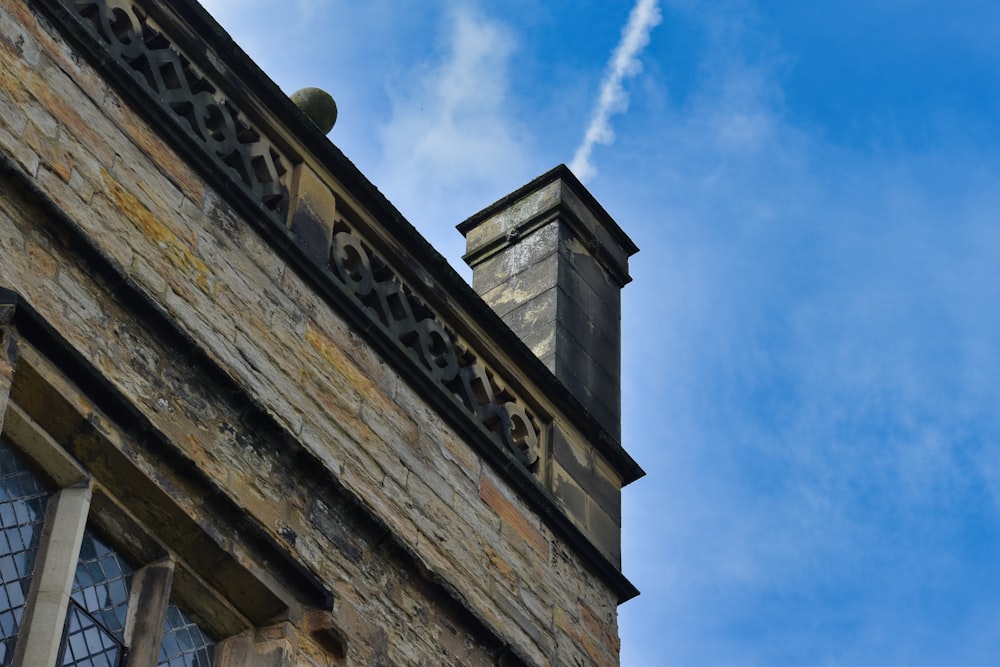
(79, 502)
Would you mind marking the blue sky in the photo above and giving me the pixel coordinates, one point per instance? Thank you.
(812, 339)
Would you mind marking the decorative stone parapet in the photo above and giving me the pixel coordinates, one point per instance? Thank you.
(333, 228)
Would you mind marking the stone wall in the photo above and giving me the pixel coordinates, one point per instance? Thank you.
(231, 364)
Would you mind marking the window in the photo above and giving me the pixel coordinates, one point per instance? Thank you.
(116, 549)
(22, 512)
(97, 617)
(184, 644)
(95, 621)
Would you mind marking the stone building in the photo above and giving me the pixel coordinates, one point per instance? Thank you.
(249, 416)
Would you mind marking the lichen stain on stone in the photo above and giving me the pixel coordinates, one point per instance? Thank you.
(175, 250)
(338, 360)
(323, 345)
(546, 346)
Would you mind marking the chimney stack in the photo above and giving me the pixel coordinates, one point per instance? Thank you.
(551, 262)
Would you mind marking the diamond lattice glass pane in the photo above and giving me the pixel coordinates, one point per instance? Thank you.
(87, 644)
(184, 644)
(101, 584)
(22, 511)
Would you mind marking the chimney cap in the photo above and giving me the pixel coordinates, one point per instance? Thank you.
(556, 193)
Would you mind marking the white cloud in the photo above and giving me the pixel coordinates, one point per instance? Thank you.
(613, 99)
(451, 135)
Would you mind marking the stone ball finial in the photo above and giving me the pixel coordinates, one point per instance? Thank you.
(318, 105)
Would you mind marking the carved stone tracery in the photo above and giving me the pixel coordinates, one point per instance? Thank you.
(130, 35)
(404, 315)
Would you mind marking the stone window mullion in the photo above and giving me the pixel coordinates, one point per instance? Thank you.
(48, 599)
(45, 614)
(8, 348)
(146, 610)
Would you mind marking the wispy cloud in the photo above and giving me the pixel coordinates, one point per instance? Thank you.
(451, 135)
(624, 64)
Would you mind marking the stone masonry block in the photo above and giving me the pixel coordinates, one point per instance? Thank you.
(514, 259)
(330, 525)
(584, 292)
(496, 498)
(597, 226)
(605, 305)
(580, 256)
(521, 287)
(311, 214)
(596, 390)
(570, 495)
(609, 316)
(584, 362)
(537, 315)
(572, 457)
(607, 534)
(531, 629)
(581, 327)
(595, 478)
(543, 344)
(242, 650)
(532, 205)
(606, 489)
(12, 118)
(26, 158)
(489, 273)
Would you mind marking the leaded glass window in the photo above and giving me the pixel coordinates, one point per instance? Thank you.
(88, 643)
(95, 631)
(101, 585)
(184, 644)
(22, 512)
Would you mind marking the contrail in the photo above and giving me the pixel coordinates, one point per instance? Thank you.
(624, 63)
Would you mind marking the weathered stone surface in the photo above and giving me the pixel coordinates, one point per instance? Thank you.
(576, 466)
(528, 251)
(318, 105)
(8, 349)
(570, 495)
(548, 236)
(514, 289)
(581, 370)
(312, 213)
(493, 496)
(537, 316)
(261, 421)
(244, 650)
(150, 587)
